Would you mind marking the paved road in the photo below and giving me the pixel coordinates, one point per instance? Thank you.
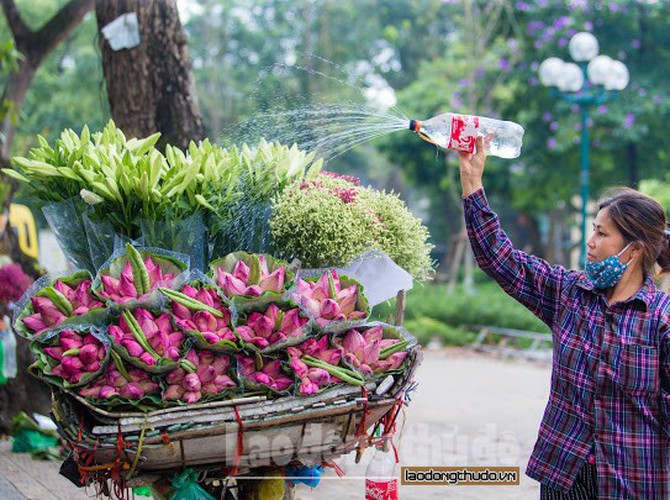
(468, 410)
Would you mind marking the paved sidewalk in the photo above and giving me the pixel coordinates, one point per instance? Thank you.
(468, 410)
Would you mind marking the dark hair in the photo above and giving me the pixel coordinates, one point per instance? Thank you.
(640, 218)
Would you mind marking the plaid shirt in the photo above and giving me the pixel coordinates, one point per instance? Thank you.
(610, 380)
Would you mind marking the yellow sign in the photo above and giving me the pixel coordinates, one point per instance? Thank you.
(22, 221)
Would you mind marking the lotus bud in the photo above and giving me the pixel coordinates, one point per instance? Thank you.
(88, 353)
(192, 397)
(147, 359)
(133, 347)
(308, 387)
(274, 281)
(35, 323)
(192, 382)
(241, 271)
(54, 352)
(107, 392)
(252, 291)
(132, 391)
(72, 364)
(174, 392)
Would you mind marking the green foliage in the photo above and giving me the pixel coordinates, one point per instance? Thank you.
(331, 221)
(429, 312)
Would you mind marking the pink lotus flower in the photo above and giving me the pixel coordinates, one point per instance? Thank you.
(74, 355)
(123, 289)
(326, 300)
(130, 383)
(80, 297)
(46, 316)
(312, 379)
(160, 338)
(272, 326)
(362, 350)
(269, 374)
(242, 281)
(210, 376)
(213, 329)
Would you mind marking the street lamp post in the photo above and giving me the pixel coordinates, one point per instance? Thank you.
(594, 80)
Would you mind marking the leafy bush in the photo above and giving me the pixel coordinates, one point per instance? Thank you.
(490, 306)
(331, 220)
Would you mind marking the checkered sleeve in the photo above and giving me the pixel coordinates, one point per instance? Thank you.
(529, 279)
(665, 381)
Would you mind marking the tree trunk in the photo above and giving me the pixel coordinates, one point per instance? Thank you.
(149, 86)
(26, 392)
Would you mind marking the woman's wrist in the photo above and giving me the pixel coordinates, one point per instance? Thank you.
(470, 185)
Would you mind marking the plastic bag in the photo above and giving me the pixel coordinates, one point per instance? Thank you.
(187, 487)
(7, 354)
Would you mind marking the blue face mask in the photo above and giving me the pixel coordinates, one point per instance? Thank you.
(607, 272)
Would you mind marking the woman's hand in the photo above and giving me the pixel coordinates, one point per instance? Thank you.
(471, 166)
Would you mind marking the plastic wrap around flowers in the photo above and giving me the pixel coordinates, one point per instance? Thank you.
(188, 340)
(54, 303)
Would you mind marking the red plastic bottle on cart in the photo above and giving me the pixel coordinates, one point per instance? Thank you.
(381, 481)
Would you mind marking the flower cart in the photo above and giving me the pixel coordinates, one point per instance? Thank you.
(183, 349)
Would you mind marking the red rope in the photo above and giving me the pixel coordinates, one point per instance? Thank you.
(239, 449)
(338, 470)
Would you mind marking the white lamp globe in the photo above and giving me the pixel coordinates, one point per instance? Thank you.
(583, 46)
(550, 70)
(618, 77)
(571, 78)
(599, 69)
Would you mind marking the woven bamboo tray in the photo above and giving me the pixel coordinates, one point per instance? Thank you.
(237, 435)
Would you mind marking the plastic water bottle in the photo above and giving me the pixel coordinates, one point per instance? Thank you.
(459, 132)
(381, 482)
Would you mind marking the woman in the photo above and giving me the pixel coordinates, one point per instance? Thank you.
(605, 432)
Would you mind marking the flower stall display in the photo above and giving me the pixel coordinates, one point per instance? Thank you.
(159, 351)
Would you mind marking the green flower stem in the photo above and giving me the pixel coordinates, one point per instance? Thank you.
(189, 302)
(344, 374)
(188, 366)
(119, 364)
(392, 349)
(137, 332)
(59, 300)
(140, 273)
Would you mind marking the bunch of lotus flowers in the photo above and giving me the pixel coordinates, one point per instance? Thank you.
(200, 374)
(74, 356)
(326, 300)
(317, 366)
(369, 352)
(148, 338)
(273, 326)
(251, 280)
(122, 381)
(263, 371)
(201, 310)
(138, 279)
(58, 302)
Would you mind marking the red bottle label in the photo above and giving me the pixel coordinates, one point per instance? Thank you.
(463, 133)
(381, 490)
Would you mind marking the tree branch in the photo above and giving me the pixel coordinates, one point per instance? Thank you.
(57, 28)
(20, 30)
